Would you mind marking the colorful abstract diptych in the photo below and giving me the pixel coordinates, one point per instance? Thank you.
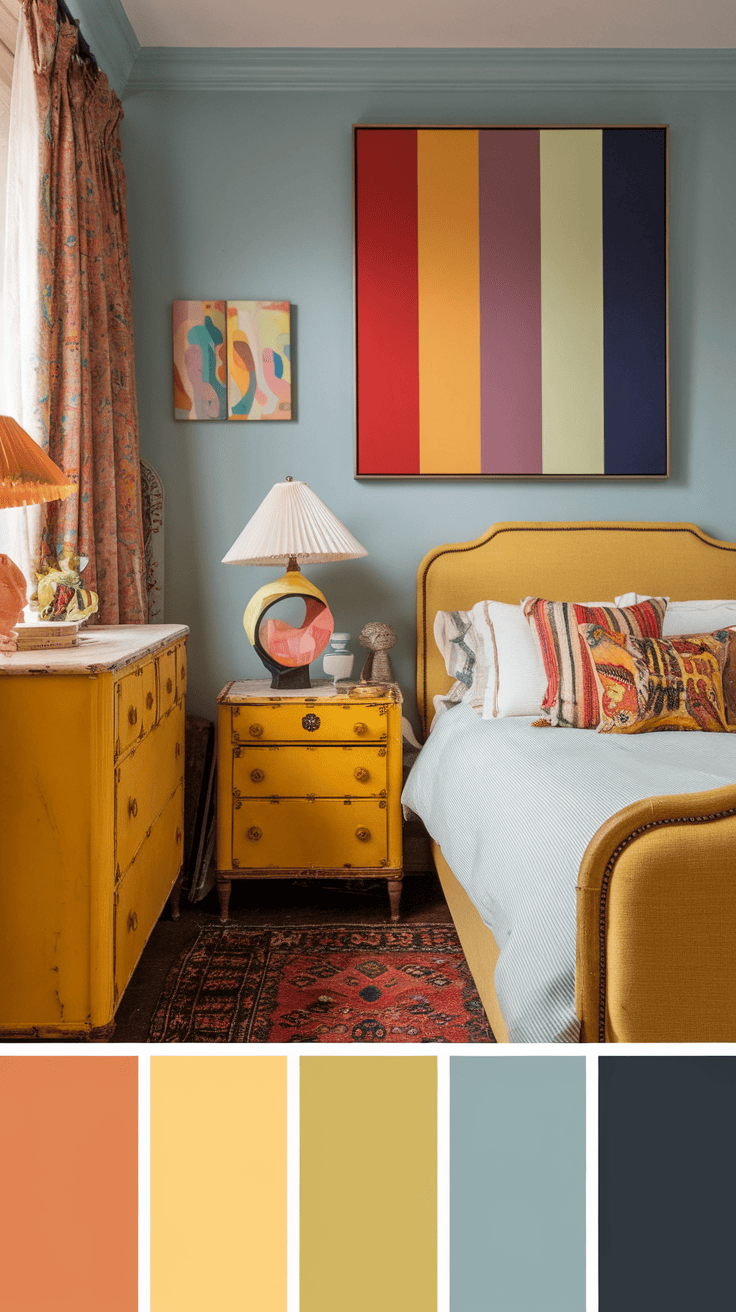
(511, 302)
(232, 360)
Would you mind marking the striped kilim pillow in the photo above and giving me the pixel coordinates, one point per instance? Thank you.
(572, 699)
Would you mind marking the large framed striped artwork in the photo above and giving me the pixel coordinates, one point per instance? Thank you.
(511, 302)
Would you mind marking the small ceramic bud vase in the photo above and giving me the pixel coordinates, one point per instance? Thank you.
(338, 661)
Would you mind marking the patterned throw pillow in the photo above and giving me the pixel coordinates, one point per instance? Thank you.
(648, 684)
(572, 692)
(465, 639)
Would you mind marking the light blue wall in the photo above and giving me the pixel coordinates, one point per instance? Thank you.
(247, 193)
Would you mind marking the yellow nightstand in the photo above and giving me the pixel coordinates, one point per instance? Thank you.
(309, 784)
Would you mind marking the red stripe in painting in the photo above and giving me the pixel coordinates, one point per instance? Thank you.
(386, 286)
(510, 303)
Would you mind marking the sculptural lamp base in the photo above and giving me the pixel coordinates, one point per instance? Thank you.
(287, 652)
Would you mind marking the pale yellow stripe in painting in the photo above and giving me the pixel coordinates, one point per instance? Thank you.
(218, 1184)
(572, 301)
(448, 302)
(368, 1184)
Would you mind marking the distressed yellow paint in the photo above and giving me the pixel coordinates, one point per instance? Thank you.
(572, 301)
(368, 1184)
(448, 302)
(218, 1184)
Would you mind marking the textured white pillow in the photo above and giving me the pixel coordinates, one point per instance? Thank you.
(689, 616)
(518, 684)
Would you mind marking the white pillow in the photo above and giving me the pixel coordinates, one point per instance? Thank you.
(518, 683)
(465, 641)
(689, 616)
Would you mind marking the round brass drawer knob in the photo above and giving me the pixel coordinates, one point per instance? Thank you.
(178, 835)
(149, 701)
(169, 685)
(257, 776)
(360, 728)
(183, 671)
(254, 833)
(132, 922)
(311, 722)
(177, 750)
(132, 806)
(362, 775)
(362, 835)
(132, 715)
(255, 730)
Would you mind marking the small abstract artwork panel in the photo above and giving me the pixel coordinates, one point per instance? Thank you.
(259, 359)
(200, 371)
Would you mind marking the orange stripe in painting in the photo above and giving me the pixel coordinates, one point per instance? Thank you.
(368, 1184)
(69, 1198)
(449, 302)
(218, 1184)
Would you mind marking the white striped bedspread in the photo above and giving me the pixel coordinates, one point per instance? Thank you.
(513, 808)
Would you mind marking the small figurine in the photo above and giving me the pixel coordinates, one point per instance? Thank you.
(378, 638)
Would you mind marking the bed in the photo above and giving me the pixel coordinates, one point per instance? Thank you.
(656, 887)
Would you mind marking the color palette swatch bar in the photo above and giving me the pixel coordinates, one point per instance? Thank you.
(517, 1184)
(69, 1197)
(368, 1184)
(511, 301)
(218, 1183)
(667, 1164)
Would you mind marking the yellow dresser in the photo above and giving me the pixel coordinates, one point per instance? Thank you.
(91, 821)
(309, 784)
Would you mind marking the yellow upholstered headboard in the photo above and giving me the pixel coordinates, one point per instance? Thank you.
(565, 562)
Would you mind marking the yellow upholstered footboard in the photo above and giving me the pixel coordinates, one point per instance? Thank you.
(657, 923)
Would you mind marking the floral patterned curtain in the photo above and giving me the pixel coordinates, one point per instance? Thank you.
(86, 380)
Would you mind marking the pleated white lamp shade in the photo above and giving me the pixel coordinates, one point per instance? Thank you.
(293, 521)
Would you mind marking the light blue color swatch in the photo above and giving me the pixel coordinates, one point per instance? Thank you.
(517, 1184)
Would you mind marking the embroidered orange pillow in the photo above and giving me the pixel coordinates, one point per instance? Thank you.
(572, 694)
(648, 684)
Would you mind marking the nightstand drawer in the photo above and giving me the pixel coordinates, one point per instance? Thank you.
(128, 711)
(309, 722)
(295, 771)
(144, 782)
(296, 833)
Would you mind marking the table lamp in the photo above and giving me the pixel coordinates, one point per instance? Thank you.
(27, 476)
(291, 524)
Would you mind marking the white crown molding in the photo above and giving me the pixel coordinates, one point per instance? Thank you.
(184, 69)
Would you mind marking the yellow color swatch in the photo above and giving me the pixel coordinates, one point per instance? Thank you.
(218, 1184)
(368, 1184)
(571, 198)
(448, 302)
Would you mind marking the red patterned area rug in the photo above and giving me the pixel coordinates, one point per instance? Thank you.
(345, 984)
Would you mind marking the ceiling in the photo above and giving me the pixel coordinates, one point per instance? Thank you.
(532, 24)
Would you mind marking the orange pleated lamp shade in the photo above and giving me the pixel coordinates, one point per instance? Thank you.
(27, 474)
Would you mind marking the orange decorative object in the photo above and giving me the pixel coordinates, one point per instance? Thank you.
(12, 601)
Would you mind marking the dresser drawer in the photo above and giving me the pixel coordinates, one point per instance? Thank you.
(128, 711)
(166, 663)
(299, 833)
(311, 723)
(295, 771)
(144, 782)
(181, 671)
(148, 696)
(141, 894)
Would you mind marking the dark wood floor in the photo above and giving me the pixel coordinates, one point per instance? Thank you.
(269, 902)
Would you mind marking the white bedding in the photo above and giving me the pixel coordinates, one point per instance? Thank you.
(513, 809)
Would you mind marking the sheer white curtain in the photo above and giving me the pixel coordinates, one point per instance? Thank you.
(20, 300)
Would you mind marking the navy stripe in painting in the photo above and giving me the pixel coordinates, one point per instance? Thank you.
(634, 300)
(667, 1166)
(517, 1184)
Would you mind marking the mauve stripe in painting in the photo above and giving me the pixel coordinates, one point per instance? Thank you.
(387, 299)
(635, 303)
(510, 302)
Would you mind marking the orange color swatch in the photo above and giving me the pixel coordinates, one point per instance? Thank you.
(69, 1198)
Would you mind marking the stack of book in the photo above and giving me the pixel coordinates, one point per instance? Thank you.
(40, 636)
